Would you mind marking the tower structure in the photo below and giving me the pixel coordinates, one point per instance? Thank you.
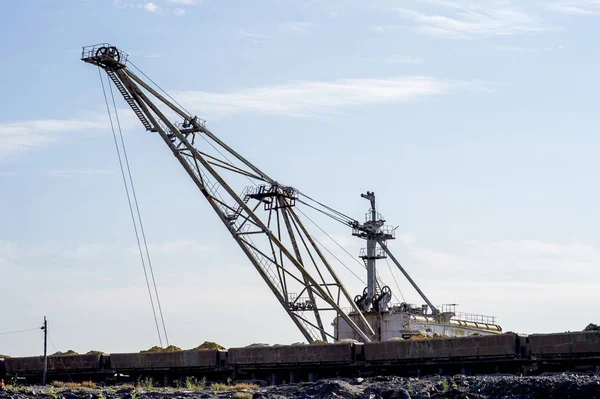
(375, 296)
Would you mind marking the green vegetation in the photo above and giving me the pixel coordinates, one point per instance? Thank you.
(237, 387)
(445, 384)
(193, 384)
(73, 385)
(145, 383)
(242, 395)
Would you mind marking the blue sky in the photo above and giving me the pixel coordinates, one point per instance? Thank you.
(473, 121)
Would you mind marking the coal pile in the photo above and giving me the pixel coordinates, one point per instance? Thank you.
(480, 387)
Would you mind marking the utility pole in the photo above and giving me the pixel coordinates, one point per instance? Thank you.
(45, 365)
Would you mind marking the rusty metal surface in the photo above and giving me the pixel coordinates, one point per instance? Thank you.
(196, 359)
(290, 355)
(441, 348)
(565, 344)
(55, 363)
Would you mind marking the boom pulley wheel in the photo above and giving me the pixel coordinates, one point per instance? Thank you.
(109, 54)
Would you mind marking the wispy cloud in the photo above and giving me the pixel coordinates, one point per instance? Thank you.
(385, 28)
(467, 19)
(251, 34)
(81, 173)
(498, 277)
(25, 135)
(185, 2)
(401, 59)
(164, 7)
(312, 98)
(297, 26)
(150, 7)
(576, 7)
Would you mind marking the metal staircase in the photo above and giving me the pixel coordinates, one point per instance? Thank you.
(232, 217)
(129, 100)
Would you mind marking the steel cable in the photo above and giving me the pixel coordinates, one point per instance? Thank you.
(19, 331)
(139, 216)
(130, 206)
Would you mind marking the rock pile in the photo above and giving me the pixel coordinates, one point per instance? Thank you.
(460, 386)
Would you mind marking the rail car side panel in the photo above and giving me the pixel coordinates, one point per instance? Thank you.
(69, 363)
(188, 359)
(441, 348)
(565, 344)
(291, 355)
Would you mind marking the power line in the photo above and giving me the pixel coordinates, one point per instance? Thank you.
(19, 331)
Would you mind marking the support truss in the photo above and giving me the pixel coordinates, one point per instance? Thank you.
(259, 212)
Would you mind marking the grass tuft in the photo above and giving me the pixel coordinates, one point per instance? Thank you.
(242, 395)
(193, 384)
(88, 384)
(145, 383)
(228, 387)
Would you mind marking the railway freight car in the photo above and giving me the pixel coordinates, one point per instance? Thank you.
(490, 353)
(294, 362)
(74, 367)
(573, 351)
(170, 364)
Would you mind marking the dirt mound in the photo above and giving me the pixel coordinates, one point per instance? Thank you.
(418, 337)
(208, 345)
(592, 327)
(154, 349)
(4, 356)
(318, 342)
(96, 353)
(157, 349)
(67, 353)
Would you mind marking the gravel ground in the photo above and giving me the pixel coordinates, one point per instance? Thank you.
(557, 386)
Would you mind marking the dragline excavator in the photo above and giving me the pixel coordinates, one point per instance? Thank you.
(267, 221)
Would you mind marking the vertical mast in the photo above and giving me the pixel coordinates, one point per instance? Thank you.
(45, 364)
(373, 231)
(371, 246)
